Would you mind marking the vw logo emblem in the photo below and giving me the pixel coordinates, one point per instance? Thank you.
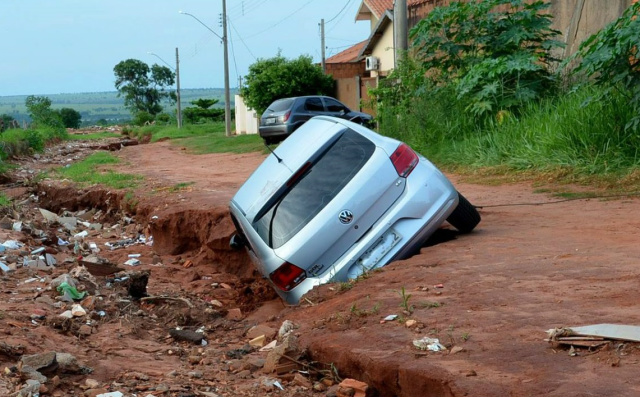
(345, 217)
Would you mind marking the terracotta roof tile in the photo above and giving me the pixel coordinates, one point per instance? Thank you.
(378, 7)
(348, 55)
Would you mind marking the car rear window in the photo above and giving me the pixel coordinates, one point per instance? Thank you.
(280, 105)
(315, 189)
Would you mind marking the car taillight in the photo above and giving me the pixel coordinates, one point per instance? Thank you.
(286, 116)
(287, 276)
(404, 159)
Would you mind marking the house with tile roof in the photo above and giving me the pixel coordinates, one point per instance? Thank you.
(363, 66)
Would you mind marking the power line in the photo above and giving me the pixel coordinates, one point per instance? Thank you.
(245, 8)
(335, 24)
(339, 12)
(241, 40)
(233, 53)
(280, 21)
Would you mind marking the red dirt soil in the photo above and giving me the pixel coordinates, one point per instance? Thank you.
(526, 269)
(488, 296)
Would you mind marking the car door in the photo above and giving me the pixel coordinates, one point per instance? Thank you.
(313, 107)
(335, 108)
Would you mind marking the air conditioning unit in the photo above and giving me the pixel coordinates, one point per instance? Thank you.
(372, 63)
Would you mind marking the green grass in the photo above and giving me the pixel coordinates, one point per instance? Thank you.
(219, 143)
(569, 138)
(88, 171)
(203, 138)
(93, 136)
(159, 132)
(180, 186)
(4, 201)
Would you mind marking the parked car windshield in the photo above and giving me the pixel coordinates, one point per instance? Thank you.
(280, 105)
(315, 189)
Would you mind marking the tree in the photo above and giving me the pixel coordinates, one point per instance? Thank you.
(39, 108)
(70, 118)
(143, 87)
(6, 121)
(277, 77)
(203, 111)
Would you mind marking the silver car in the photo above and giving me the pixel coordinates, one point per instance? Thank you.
(335, 200)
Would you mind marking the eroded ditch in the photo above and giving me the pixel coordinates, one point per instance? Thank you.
(198, 266)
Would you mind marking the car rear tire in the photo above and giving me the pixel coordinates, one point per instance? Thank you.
(465, 217)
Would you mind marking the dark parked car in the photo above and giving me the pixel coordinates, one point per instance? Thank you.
(285, 115)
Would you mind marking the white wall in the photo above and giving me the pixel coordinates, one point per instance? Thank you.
(246, 119)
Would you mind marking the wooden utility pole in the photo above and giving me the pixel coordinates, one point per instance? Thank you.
(178, 89)
(400, 30)
(227, 96)
(324, 65)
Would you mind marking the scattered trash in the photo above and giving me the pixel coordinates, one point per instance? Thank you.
(134, 255)
(427, 343)
(67, 287)
(12, 244)
(269, 382)
(48, 215)
(17, 226)
(593, 335)
(5, 268)
(81, 235)
(186, 335)
(37, 251)
(132, 262)
(78, 311)
(62, 242)
(269, 346)
(111, 394)
(258, 341)
(285, 329)
(51, 261)
(390, 317)
(438, 286)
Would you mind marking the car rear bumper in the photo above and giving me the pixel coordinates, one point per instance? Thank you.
(277, 131)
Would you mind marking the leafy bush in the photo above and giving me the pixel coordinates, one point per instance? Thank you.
(277, 77)
(163, 118)
(202, 112)
(70, 117)
(495, 53)
(41, 113)
(142, 118)
(611, 59)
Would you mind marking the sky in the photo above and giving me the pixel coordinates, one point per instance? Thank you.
(71, 46)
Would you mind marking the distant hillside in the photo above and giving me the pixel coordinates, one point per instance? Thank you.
(94, 106)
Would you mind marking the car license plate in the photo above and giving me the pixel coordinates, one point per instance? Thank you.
(379, 249)
(270, 120)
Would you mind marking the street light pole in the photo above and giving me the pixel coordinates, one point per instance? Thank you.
(178, 89)
(177, 71)
(227, 99)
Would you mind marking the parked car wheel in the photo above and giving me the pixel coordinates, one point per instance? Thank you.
(465, 217)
